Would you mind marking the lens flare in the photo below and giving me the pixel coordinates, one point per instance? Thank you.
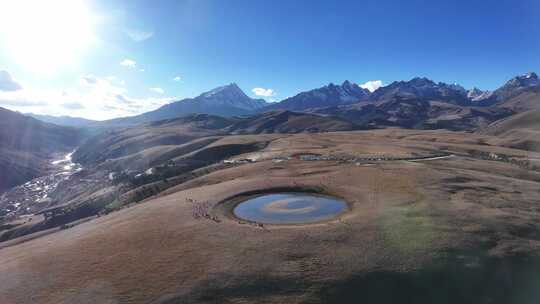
(43, 36)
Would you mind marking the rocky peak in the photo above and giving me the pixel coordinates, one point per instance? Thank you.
(231, 95)
(515, 86)
(421, 81)
(476, 95)
(354, 89)
(327, 96)
(474, 92)
(531, 75)
(526, 80)
(456, 87)
(348, 84)
(228, 90)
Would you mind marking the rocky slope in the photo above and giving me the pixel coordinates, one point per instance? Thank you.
(330, 95)
(515, 87)
(414, 113)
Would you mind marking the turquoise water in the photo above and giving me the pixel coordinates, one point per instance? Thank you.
(289, 208)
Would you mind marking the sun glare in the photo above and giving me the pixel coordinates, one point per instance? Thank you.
(43, 36)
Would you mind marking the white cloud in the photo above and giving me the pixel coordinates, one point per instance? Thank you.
(372, 85)
(142, 102)
(263, 92)
(141, 70)
(115, 79)
(128, 63)
(26, 100)
(89, 80)
(94, 98)
(157, 90)
(177, 78)
(101, 85)
(8, 83)
(138, 35)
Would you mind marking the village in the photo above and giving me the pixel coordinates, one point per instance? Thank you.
(308, 156)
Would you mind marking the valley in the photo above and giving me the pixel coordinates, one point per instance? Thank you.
(27, 147)
(22, 200)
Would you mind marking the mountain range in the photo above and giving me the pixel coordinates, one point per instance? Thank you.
(330, 95)
(416, 103)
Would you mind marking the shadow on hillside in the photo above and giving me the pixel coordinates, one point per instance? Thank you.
(461, 280)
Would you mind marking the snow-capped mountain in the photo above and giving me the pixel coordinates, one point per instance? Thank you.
(523, 81)
(477, 95)
(228, 100)
(513, 87)
(474, 93)
(231, 95)
(329, 95)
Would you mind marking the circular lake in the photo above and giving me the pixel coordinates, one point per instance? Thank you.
(289, 208)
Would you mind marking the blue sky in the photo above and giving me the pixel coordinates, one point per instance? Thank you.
(70, 60)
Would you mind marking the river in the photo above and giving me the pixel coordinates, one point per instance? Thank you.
(33, 195)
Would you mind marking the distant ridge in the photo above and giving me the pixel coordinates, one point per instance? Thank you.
(416, 103)
(68, 121)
